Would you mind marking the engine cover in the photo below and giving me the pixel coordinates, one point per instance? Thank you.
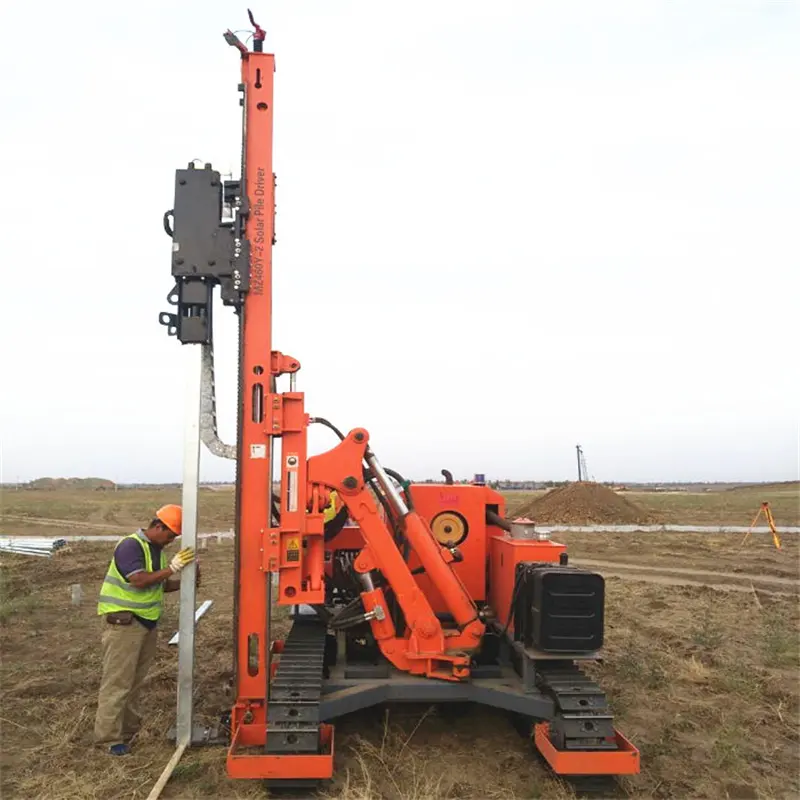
(559, 609)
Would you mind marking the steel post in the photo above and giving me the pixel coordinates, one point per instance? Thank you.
(191, 476)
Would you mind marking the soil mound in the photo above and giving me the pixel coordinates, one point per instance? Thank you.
(53, 484)
(584, 503)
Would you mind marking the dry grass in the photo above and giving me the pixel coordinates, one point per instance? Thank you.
(704, 681)
(84, 512)
(706, 684)
(422, 753)
(51, 670)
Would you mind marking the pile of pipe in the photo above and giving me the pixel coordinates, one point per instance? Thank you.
(31, 545)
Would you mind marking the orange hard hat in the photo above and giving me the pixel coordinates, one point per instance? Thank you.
(172, 517)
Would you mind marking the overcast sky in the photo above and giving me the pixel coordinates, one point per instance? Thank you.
(503, 229)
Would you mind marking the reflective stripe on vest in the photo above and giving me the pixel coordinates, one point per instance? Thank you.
(118, 594)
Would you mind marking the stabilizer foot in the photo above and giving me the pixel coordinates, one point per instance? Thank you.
(622, 760)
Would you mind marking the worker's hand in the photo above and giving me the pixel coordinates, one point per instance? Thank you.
(181, 559)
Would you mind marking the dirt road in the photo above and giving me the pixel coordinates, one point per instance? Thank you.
(667, 574)
(62, 523)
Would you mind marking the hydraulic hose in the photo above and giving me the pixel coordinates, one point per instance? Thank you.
(399, 539)
(395, 611)
(335, 525)
(323, 421)
(404, 484)
(370, 480)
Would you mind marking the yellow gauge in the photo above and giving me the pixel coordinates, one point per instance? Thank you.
(449, 528)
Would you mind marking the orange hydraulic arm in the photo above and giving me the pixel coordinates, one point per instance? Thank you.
(429, 650)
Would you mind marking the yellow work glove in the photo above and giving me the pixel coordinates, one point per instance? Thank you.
(181, 559)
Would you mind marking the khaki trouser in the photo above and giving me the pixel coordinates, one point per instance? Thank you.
(128, 651)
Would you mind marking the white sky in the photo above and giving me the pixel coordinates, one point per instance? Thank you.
(503, 228)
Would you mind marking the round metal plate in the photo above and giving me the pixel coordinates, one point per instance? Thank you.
(449, 528)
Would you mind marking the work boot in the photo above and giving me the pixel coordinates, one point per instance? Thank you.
(121, 749)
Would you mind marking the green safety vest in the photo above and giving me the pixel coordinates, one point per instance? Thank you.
(330, 512)
(119, 595)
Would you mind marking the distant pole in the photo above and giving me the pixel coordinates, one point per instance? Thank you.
(578, 451)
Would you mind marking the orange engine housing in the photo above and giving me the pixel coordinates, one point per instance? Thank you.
(458, 506)
(456, 514)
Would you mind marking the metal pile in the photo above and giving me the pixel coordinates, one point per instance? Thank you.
(31, 545)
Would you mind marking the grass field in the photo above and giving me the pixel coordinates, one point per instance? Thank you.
(733, 507)
(55, 513)
(75, 511)
(701, 667)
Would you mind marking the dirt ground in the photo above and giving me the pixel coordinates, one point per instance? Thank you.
(701, 666)
(584, 503)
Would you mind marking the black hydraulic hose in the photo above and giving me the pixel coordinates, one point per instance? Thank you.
(167, 226)
(493, 518)
(403, 483)
(334, 526)
(399, 539)
(398, 617)
(369, 479)
(395, 612)
(514, 595)
(448, 477)
(396, 475)
(323, 421)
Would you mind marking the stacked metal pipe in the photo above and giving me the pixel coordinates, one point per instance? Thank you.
(31, 545)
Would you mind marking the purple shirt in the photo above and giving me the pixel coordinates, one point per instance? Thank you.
(129, 558)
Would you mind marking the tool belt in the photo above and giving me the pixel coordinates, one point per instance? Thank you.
(119, 618)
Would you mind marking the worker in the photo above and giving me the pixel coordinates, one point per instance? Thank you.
(330, 511)
(335, 516)
(131, 603)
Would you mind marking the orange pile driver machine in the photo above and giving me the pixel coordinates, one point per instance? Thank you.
(411, 592)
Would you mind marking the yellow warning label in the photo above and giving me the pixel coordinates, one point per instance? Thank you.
(293, 544)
